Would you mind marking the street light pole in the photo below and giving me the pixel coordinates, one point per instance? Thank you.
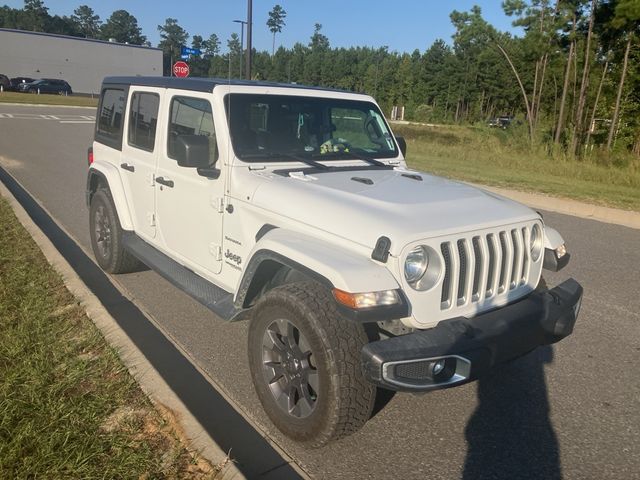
(242, 24)
(249, 29)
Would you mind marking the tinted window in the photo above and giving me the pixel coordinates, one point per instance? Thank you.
(360, 127)
(191, 116)
(143, 119)
(276, 127)
(109, 126)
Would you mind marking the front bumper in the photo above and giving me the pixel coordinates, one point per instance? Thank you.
(467, 348)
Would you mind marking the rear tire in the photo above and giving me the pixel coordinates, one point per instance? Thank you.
(106, 236)
(305, 365)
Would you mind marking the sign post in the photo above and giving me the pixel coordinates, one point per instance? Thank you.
(180, 69)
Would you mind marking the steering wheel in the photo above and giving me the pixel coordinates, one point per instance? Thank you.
(372, 128)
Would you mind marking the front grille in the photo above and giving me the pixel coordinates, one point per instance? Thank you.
(477, 253)
(482, 267)
(446, 283)
(462, 252)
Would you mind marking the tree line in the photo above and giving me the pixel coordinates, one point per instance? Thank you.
(121, 25)
(572, 77)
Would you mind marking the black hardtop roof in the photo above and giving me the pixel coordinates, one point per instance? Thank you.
(199, 84)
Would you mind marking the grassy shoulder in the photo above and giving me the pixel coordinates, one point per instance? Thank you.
(490, 157)
(68, 407)
(43, 99)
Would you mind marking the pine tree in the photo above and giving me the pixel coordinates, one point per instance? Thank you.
(87, 21)
(172, 38)
(275, 23)
(123, 27)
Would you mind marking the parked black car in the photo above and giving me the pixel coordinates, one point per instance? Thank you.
(500, 122)
(4, 81)
(46, 85)
(17, 81)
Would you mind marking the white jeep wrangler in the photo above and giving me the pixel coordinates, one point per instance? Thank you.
(293, 207)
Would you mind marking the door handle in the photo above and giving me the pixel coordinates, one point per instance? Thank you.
(128, 167)
(165, 181)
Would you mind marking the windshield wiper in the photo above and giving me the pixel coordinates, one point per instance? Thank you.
(369, 160)
(364, 158)
(308, 161)
(290, 156)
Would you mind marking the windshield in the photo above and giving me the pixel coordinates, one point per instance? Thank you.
(272, 127)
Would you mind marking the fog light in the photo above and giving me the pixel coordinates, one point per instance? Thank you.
(438, 367)
(427, 373)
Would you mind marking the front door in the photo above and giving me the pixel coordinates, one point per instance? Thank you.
(188, 205)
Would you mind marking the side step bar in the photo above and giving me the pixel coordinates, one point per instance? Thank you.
(216, 299)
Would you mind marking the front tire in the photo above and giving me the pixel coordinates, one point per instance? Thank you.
(305, 365)
(106, 236)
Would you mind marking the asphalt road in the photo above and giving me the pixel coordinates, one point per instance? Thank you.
(568, 411)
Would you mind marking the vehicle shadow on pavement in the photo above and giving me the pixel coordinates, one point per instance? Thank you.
(510, 434)
(383, 397)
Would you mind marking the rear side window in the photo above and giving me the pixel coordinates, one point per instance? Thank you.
(143, 120)
(110, 117)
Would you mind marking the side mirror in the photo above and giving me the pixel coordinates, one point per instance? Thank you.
(192, 151)
(402, 143)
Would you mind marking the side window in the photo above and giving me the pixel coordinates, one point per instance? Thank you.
(191, 116)
(109, 125)
(143, 120)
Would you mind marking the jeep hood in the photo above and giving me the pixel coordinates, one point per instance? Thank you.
(363, 205)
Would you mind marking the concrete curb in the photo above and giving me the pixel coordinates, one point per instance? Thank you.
(151, 382)
(575, 208)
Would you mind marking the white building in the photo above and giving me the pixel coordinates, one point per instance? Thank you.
(82, 62)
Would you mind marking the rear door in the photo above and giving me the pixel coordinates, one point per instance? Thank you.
(139, 157)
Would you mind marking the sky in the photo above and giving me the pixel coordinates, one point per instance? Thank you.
(402, 25)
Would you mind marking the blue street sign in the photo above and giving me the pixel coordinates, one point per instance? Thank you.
(190, 51)
(184, 57)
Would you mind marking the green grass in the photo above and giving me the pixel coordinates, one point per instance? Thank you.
(43, 99)
(68, 407)
(504, 158)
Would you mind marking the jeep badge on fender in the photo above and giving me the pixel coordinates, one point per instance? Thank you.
(232, 257)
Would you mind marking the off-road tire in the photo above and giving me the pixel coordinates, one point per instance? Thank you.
(345, 398)
(113, 258)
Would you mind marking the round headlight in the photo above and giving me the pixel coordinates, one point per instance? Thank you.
(535, 242)
(423, 268)
(416, 264)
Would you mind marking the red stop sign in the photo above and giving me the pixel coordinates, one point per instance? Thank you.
(181, 69)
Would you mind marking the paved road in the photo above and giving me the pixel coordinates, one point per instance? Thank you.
(568, 411)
